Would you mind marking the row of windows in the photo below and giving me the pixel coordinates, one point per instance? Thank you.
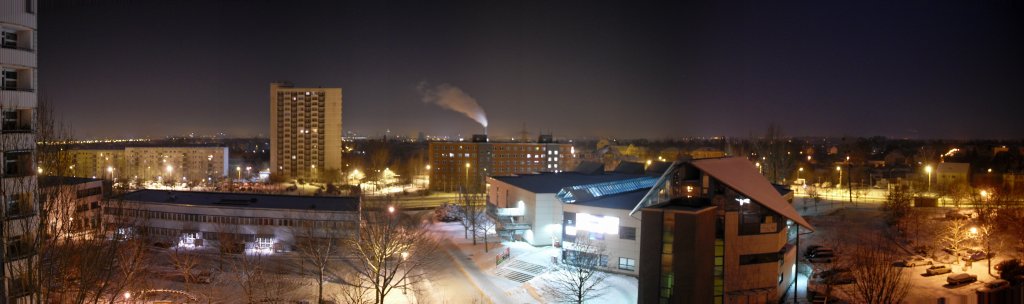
(233, 220)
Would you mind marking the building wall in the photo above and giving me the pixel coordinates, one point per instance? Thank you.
(18, 102)
(171, 221)
(151, 163)
(615, 246)
(690, 261)
(175, 163)
(305, 131)
(754, 283)
(448, 161)
(73, 208)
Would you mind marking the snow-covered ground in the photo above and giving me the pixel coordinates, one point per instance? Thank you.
(521, 278)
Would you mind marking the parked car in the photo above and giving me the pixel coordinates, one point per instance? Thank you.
(822, 257)
(829, 272)
(814, 249)
(961, 278)
(822, 253)
(997, 285)
(937, 270)
(914, 261)
(956, 215)
(835, 276)
(978, 256)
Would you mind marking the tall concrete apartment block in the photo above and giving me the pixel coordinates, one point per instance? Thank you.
(305, 131)
(18, 88)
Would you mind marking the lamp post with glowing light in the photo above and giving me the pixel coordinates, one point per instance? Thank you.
(798, 171)
(467, 177)
(840, 170)
(928, 169)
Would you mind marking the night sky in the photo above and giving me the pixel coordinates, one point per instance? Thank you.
(587, 68)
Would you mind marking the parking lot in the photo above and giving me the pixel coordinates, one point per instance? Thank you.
(841, 228)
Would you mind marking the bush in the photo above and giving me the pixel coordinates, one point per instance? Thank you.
(1010, 269)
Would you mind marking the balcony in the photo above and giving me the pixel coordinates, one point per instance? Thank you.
(17, 211)
(18, 57)
(19, 250)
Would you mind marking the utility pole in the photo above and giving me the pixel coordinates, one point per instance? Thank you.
(849, 180)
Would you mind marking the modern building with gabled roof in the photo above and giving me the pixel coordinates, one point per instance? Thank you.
(716, 231)
(727, 228)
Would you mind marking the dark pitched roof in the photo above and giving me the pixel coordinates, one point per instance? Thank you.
(589, 167)
(740, 175)
(245, 200)
(554, 182)
(629, 168)
(46, 181)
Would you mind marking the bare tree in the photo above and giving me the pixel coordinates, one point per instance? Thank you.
(484, 226)
(956, 234)
(577, 278)
(898, 204)
(318, 245)
(876, 281)
(470, 210)
(390, 251)
(775, 161)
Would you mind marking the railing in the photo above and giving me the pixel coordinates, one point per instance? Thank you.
(17, 89)
(19, 251)
(17, 211)
(20, 48)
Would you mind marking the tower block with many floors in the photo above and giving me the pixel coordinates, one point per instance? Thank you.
(305, 132)
(18, 89)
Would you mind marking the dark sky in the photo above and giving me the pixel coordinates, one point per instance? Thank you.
(588, 68)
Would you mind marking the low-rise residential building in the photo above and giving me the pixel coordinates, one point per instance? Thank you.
(951, 173)
(72, 205)
(260, 222)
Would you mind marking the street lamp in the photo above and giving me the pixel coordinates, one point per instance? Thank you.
(801, 170)
(758, 164)
(974, 231)
(928, 169)
(391, 209)
(467, 177)
(840, 169)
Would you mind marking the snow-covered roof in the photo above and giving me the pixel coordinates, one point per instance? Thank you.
(741, 175)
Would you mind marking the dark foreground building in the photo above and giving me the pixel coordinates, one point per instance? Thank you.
(716, 231)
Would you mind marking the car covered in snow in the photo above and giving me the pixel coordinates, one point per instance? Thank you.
(938, 269)
(914, 261)
(961, 278)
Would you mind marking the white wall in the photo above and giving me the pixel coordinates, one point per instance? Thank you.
(615, 247)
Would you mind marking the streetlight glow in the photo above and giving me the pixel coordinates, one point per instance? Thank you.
(391, 209)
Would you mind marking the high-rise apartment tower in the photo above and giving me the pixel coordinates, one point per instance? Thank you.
(305, 132)
(18, 87)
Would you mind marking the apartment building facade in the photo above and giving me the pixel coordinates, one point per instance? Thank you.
(18, 99)
(178, 164)
(72, 206)
(305, 132)
(458, 164)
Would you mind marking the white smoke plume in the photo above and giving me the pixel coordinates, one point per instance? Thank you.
(451, 97)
